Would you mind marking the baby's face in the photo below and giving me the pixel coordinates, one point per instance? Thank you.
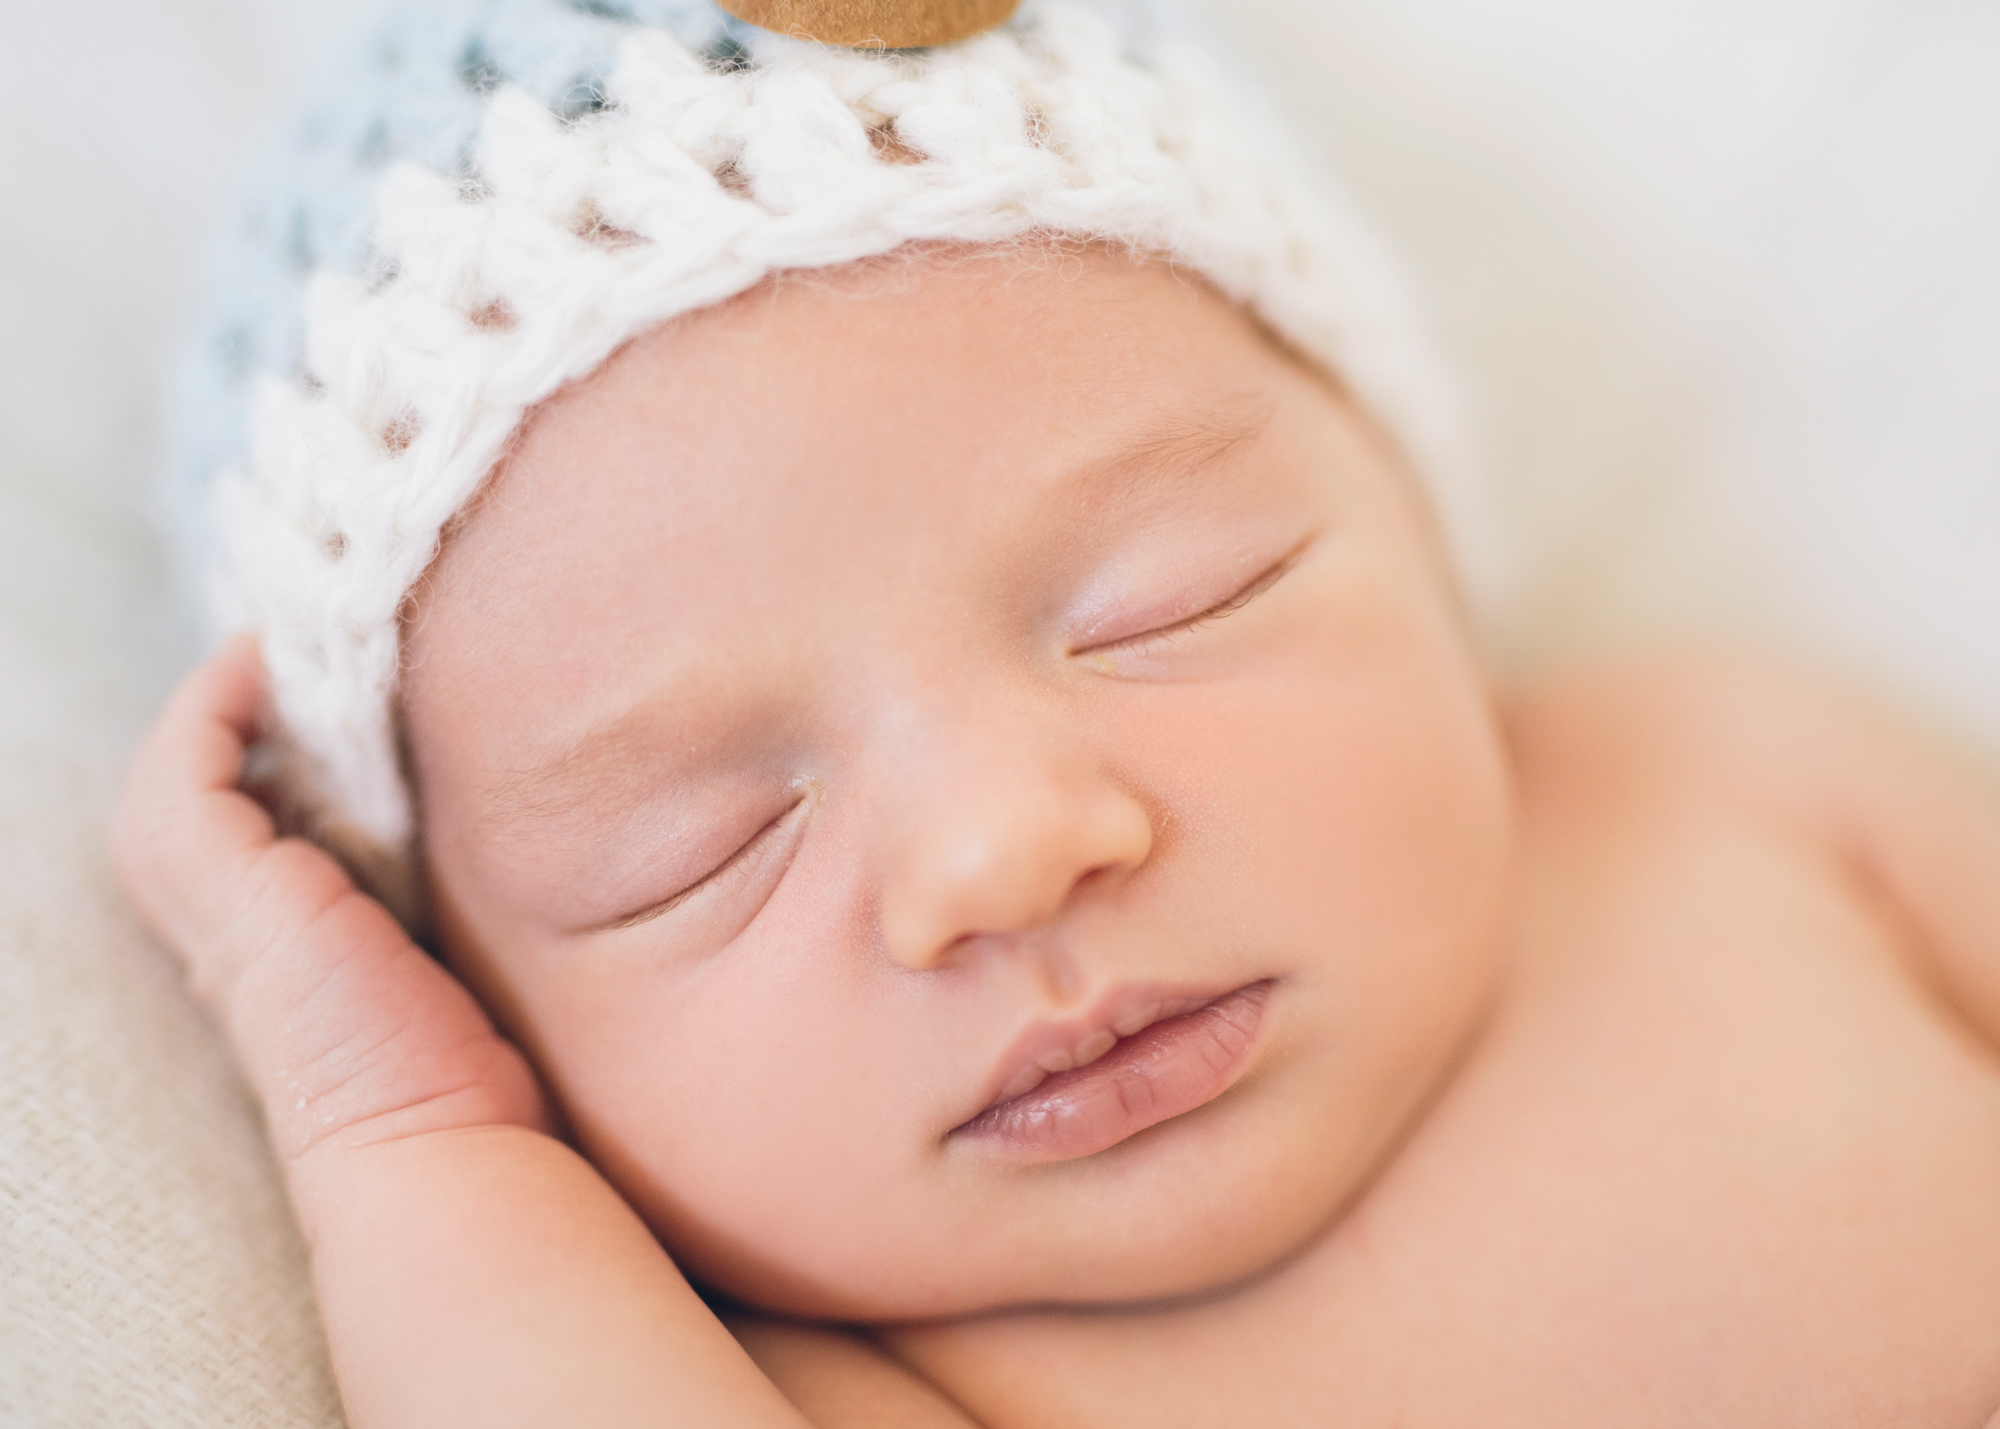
(858, 703)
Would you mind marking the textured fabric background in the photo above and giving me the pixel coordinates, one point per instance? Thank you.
(1722, 276)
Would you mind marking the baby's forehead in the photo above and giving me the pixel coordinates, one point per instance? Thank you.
(888, 397)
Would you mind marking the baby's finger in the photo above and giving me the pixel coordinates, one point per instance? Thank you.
(224, 693)
(184, 834)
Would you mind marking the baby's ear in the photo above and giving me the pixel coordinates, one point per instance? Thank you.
(885, 24)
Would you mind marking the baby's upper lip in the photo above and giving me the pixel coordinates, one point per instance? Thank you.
(1058, 1044)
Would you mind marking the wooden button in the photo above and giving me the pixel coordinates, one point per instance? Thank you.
(891, 24)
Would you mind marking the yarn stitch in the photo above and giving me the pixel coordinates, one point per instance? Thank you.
(711, 158)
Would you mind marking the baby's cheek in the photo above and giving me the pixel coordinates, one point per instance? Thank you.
(1361, 807)
(755, 1112)
(1365, 805)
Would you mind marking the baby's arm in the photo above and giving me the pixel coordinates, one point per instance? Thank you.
(1926, 828)
(471, 1268)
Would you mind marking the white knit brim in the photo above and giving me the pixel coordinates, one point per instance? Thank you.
(693, 182)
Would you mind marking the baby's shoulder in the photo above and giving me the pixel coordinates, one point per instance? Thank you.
(1631, 767)
(1703, 733)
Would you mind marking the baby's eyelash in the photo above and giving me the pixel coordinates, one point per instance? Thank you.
(736, 861)
(1257, 586)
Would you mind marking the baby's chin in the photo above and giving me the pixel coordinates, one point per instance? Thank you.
(1176, 1264)
(1128, 1227)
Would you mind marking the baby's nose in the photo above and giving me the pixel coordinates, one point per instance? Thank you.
(996, 841)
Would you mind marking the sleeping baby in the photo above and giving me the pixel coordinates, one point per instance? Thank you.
(857, 790)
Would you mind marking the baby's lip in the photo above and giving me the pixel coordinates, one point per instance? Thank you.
(1059, 1045)
(1114, 1033)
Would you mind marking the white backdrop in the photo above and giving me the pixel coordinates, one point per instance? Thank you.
(1723, 277)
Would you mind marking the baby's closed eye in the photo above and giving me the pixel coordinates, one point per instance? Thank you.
(741, 881)
(1153, 628)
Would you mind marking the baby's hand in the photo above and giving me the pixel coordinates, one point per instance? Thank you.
(349, 1033)
(471, 1268)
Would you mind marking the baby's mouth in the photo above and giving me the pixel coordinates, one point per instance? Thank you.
(1155, 1060)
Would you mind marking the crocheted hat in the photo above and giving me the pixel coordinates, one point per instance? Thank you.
(494, 195)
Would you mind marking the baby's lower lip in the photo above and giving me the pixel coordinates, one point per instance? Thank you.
(1152, 1076)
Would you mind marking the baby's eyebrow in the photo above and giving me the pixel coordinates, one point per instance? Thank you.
(1179, 448)
(580, 776)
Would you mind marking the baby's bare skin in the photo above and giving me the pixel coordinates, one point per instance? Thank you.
(1627, 1050)
(1729, 1152)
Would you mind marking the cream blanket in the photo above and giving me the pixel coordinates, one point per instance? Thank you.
(1724, 283)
